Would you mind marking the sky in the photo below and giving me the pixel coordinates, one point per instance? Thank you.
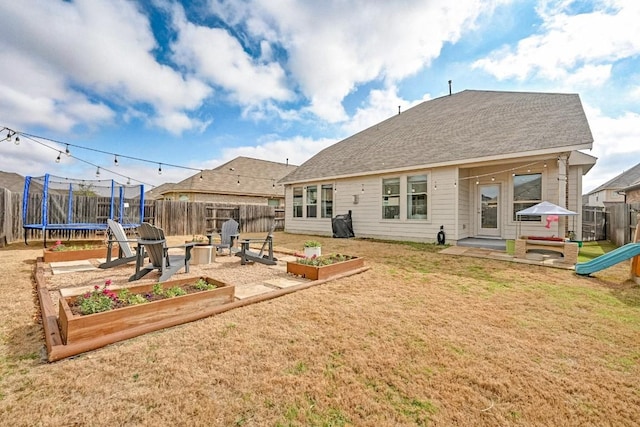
(172, 87)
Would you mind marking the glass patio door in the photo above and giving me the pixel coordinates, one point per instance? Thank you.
(489, 210)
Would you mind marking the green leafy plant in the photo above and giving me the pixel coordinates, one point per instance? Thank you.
(203, 285)
(312, 244)
(198, 239)
(99, 300)
(174, 291)
(60, 247)
(127, 297)
(323, 260)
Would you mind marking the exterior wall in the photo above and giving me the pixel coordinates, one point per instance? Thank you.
(452, 203)
(633, 196)
(367, 212)
(599, 198)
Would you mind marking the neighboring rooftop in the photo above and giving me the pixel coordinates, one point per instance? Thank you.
(255, 177)
(463, 127)
(12, 182)
(625, 179)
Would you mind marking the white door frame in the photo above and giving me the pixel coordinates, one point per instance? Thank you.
(491, 207)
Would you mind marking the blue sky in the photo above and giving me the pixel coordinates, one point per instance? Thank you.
(198, 83)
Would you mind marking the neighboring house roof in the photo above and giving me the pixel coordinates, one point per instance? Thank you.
(464, 127)
(12, 182)
(621, 181)
(634, 186)
(156, 192)
(256, 177)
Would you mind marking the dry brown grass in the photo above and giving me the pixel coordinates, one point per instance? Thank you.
(420, 339)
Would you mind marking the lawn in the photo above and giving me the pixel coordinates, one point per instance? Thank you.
(421, 338)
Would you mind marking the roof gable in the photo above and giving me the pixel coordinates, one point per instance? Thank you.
(624, 180)
(466, 126)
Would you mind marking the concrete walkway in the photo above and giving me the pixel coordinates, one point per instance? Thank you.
(533, 258)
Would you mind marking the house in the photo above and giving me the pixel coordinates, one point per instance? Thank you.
(466, 162)
(242, 180)
(612, 191)
(12, 182)
(632, 193)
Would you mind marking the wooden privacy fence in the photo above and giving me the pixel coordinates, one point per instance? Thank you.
(621, 222)
(176, 218)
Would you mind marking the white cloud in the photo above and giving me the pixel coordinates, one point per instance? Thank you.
(217, 57)
(333, 46)
(616, 145)
(583, 44)
(103, 47)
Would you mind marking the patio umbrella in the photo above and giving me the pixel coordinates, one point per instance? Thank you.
(544, 208)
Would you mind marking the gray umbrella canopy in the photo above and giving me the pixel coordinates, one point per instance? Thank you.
(546, 208)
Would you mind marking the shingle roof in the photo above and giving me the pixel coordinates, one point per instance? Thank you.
(257, 177)
(466, 126)
(625, 179)
(12, 182)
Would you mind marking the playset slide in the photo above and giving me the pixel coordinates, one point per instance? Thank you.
(607, 260)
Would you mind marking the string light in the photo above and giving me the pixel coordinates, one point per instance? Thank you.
(159, 168)
(128, 181)
(201, 176)
(98, 172)
(238, 179)
(17, 141)
(67, 152)
(362, 189)
(58, 158)
(115, 160)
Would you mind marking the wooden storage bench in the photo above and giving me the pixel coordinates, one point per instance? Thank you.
(569, 250)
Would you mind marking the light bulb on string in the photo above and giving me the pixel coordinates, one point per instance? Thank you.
(159, 168)
(115, 160)
(128, 181)
(201, 176)
(17, 141)
(98, 172)
(67, 152)
(238, 179)
(58, 158)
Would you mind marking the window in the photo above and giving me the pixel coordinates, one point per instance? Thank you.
(527, 191)
(312, 201)
(327, 201)
(297, 202)
(391, 198)
(417, 197)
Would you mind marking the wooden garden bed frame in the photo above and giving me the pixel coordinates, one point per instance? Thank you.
(325, 271)
(58, 350)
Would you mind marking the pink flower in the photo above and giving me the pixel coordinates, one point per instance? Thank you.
(58, 242)
(107, 282)
(96, 287)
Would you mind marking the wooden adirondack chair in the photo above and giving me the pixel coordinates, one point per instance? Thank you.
(228, 236)
(125, 253)
(247, 255)
(153, 241)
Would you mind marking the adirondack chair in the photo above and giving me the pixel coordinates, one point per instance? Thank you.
(152, 241)
(125, 253)
(228, 236)
(247, 255)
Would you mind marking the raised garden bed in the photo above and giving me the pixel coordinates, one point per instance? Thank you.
(121, 323)
(79, 254)
(321, 272)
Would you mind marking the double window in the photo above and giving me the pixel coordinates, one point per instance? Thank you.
(416, 196)
(527, 191)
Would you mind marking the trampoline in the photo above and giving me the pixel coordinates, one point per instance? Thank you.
(65, 207)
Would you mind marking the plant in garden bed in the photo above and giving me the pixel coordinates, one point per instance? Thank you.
(312, 244)
(324, 260)
(104, 299)
(59, 247)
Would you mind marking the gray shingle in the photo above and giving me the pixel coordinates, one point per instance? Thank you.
(462, 127)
